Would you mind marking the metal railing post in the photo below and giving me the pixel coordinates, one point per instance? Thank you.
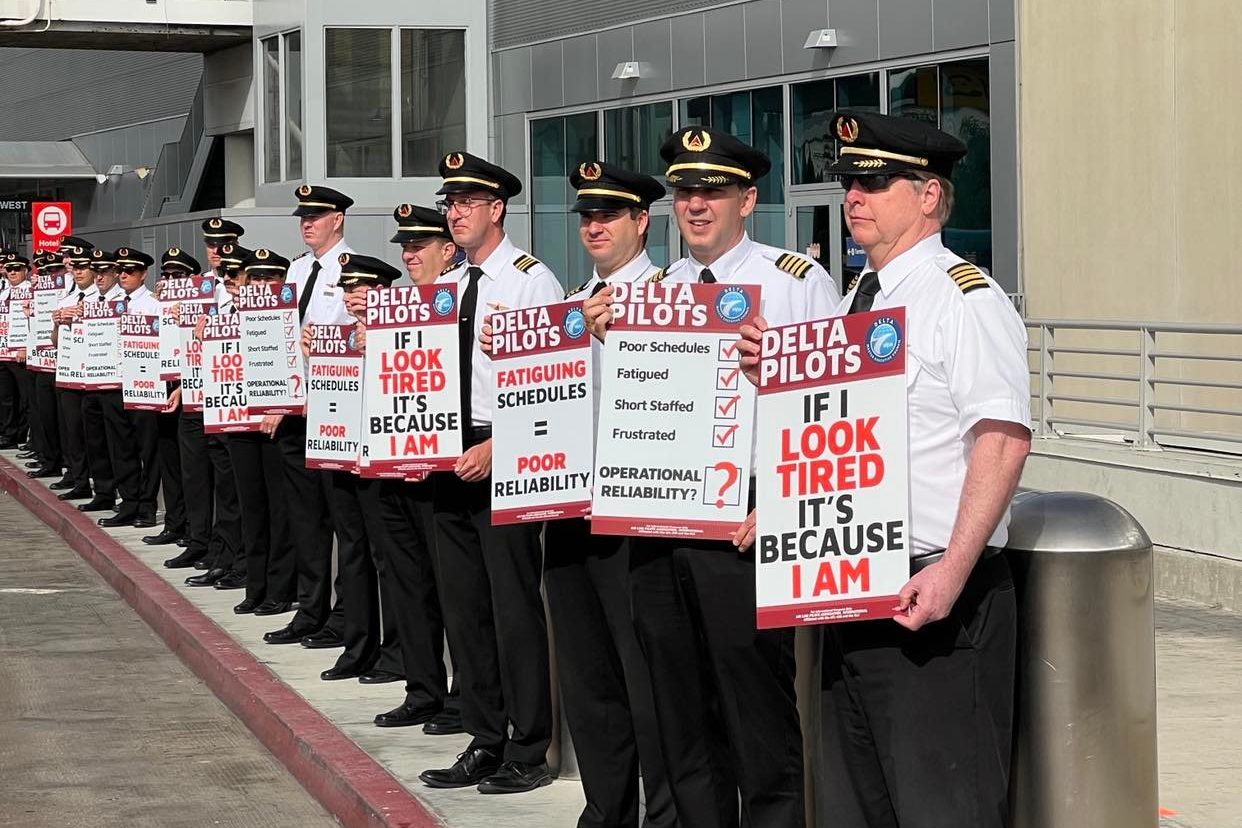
(1045, 366)
(1147, 387)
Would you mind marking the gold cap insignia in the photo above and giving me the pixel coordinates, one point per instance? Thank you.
(590, 171)
(261, 253)
(124, 251)
(696, 140)
(77, 251)
(215, 223)
(454, 160)
(404, 210)
(847, 129)
(97, 253)
(343, 259)
(228, 249)
(304, 190)
(174, 251)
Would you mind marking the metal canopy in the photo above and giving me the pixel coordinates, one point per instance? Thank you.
(43, 159)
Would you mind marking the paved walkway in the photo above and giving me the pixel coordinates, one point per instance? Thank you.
(100, 725)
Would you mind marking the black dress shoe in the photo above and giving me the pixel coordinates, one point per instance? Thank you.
(143, 521)
(233, 580)
(517, 777)
(27, 446)
(61, 485)
(272, 608)
(407, 715)
(183, 542)
(445, 723)
(185, 560)
(27, 455)
(32, 462)
(471, 768)
(339, 672)
(285, 635)
(99, 504)
(202, 564)
(208, 578)
(8, 443)
(43, 473)
(323, 640)
(247, 606)
(162, 538)
(120, 519)
(374, 676)
(75, 494)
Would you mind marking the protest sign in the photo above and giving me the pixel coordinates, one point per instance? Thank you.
(48, 289)
(412, 402)
(334, 404)
(101, 344)
(542, 410)
(832, 473)
(225, 407)
(6, 355)
(272, 348)
(180, 291)
(20, 297)
(141, 386)
(70, 356)
(676, 416)
(191, 353)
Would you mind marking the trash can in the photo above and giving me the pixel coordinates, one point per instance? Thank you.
(1085, 714)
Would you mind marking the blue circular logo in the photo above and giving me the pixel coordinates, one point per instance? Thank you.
(353, 340)
(155, 324)
(207, 287)
(442, 302)
(732, 305)
(120, 306)
(60, 281)
(286, 294)
(575, 323)
(883, 339)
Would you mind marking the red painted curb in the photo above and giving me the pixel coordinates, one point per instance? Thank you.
(346, 780)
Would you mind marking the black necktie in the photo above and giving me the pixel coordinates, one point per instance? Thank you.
(465, 342)
(599, 287)
(81, 296)
(304, 299)
(868, 287)
(707, 277)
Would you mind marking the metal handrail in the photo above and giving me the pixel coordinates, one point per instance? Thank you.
(1065, 374)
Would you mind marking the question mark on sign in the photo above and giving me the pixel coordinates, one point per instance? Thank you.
(732, 473)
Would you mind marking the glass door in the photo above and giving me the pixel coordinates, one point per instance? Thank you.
(815, 227)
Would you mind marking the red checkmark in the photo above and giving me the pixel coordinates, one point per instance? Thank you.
(723, 436)
(728, 348)
(728, 405)
(726, 379)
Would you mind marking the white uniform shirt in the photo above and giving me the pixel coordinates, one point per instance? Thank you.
(115, 292)
(5, 290)
(503, 286)
(637, 269)
(327, 302)
(142, 302)
(966, 362)
(70, 300)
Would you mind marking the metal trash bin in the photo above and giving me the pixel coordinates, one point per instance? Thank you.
(1085, 715)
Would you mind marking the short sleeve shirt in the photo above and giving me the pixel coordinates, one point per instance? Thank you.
(327, 302)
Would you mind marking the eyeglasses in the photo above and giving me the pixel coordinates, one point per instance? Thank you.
(874, 183)
(129, 269)
(464, 206)
(172, 274)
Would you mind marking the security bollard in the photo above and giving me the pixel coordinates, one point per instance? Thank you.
(1085, 717)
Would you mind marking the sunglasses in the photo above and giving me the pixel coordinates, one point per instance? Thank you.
(129, 269)
(874, 183)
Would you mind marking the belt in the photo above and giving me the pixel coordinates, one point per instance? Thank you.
(921, 562)
(473, 435)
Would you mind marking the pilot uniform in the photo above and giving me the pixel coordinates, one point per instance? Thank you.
(69, 400)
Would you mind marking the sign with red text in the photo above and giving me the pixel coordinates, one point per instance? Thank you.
(542, 408)
(225, 405)
(411, 385)
(191, 351)
(676, 416)
(20, 297)
(70, 355)
(101, 346)
(176, 293)
(272, 348)
(50, 222)
(833, 534)
(48, 288)
(334, 404)
(141, 386)
(5, 354)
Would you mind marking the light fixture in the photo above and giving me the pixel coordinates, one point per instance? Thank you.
(100, 178)
(821, 39)
(116, 171)
(142, 172)
(627, 70)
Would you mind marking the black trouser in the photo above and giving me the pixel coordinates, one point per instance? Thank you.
(357, 578)
(918, 725)
(724, 691)
(310, 527)
(146, 428)
(123, 452)
(399, 523)
(47, 422)
(225, 549)
(98, 456)
(15, 391)
(196, 481)
(73, 435)
(259, 472)
(493, 611)
(168, 428)
(603, 677)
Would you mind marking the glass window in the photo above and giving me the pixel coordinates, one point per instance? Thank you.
(965, 112)
(293, 106)
(271, 109)
(558, 145)
(914, 93)
(633, 135)
(813, 144)
(433, 98)
(359, 102)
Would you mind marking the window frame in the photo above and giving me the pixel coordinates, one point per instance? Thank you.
(279, 141)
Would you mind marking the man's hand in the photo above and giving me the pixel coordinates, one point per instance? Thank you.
(598, 312)
(361, 328)
(158, 287)
(476, 463)
(744, 537)
(356, 303)
(930, 595)
(200, 326)
(174, 401)
(175, 312)
(270, 423)
(485, 338)
(306, 341)
(749, 348)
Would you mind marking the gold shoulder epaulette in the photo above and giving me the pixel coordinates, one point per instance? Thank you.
(854, 281)
(578, 289)
(525, 262)
(967, 277)
(794, 265)
(300, 255)
(658, 276)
